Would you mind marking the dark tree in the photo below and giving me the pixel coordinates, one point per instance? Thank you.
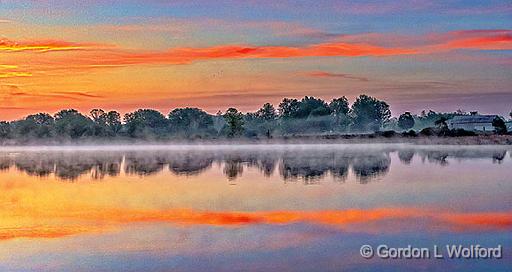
(113, 121)
(71, 123)
(267, 112)
(262, 122)
(406, 121)
(98, 116)
(100, 128)
(370, 113)
(441, 123)
(340, 110)
(499, 125)
(189, 120)
(106, 123)
(339, 106)
(5, 129)
(311, 106)
(289, 108)
(145, 123)
(39, 125)
(235, 122)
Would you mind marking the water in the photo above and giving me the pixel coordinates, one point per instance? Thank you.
(251, 208)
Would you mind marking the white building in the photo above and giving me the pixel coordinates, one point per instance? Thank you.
(473, 122)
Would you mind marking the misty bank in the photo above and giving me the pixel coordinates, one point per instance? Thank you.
(373, 138)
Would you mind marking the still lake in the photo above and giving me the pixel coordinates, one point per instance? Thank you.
(251, 207)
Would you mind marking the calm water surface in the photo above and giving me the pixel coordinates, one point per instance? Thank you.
(250, 208)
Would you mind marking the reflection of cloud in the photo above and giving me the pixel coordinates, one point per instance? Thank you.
(91, 218)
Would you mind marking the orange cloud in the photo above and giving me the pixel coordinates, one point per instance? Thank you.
(480, 39)
(43, 46)
(43, 232)
(98, 56)
(334, 75)
(8, 71)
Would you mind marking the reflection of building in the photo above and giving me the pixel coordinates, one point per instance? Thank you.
(473, 122)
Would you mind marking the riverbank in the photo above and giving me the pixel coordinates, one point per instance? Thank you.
(374, 138)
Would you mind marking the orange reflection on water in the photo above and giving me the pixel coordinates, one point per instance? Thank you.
(91, 220)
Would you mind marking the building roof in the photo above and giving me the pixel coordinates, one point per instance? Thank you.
(477, 118)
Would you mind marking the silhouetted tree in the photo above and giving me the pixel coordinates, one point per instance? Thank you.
(218, 121)
(145, 123)
(98, 116)
(406, 121)
(340, 109)
(339, 106)
(71, 123)
(189, 120)
(370, 113)
(441, 122)
(267, 112)
(499, 125)
(113, 121)
(310, 106)
(308, 116)
(235, 122)
(289, 108)
(106, 123)
(263, 121)
(100, 126)
(35, 126)
(5, 129)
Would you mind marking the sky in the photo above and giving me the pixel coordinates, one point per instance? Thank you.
(125, 55)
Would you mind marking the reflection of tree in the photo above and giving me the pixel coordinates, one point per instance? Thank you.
(339, 167)
(35, 164)
(441, 156)
(233, 168)
(5, 163)
(438, 157)
(144, 164)
(498, 156)
(68, 165)
(267, 165)
(314, 165)
(190, 164)
(406, 155)
(266, 162)
(70, 169)
(309, 167)
(371, 166)
(108, 167)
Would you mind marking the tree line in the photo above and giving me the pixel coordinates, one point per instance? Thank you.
(307, 116)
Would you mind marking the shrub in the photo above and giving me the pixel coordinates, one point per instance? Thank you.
(410, 133)
(387, 133)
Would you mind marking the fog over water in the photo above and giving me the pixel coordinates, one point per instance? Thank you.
(285, 207)
(307, 162)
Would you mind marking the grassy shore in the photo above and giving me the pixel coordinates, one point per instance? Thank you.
(490, 139)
